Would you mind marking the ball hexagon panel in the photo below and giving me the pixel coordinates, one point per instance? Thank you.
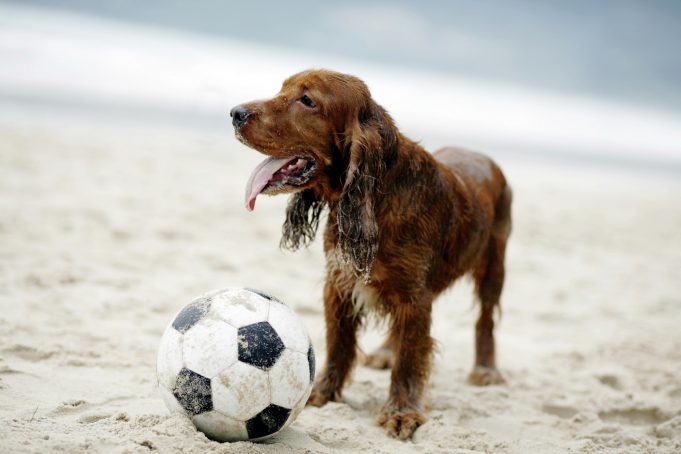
(259, 345)
(298, 407)
(169, 359)
(191, 314)
(240, 307)
(241, 391)
(267, 296)
(289, 327)
(209, 347)
(193, 392)
(267, 422)
(171, 401)
(219, 427)
(289, 378)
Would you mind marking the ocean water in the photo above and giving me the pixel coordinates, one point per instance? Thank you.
(623, 50)
(67, 62)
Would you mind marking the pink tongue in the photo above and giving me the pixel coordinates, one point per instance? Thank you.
(260, 176)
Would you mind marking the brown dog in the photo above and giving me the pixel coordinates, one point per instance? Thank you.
(402, 226)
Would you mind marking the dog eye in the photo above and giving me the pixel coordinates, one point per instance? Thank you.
(307, 102)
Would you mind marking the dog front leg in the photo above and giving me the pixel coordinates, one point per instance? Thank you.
(402, 414)
(341, 343)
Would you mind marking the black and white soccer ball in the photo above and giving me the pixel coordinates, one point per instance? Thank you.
(238, 362)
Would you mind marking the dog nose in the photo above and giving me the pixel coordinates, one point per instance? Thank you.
(239, 116)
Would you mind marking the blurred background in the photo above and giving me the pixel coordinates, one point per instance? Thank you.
(594, 81)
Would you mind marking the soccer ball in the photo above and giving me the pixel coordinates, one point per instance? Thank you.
(238, 362)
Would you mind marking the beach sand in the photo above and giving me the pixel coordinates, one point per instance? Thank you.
(107, 230)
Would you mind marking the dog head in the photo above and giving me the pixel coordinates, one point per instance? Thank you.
(327, 142)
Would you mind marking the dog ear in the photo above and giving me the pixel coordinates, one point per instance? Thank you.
(371, 141)
(302, 220)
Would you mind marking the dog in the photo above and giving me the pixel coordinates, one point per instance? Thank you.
(402, 226)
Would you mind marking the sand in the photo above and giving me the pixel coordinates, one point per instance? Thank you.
(107, 230)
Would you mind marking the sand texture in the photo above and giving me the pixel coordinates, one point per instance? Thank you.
(106, 231)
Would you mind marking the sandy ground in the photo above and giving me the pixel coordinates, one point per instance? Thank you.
(105, 231)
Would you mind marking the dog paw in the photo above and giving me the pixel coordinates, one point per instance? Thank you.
(382, 358)
(485, 376)
(319, 397)
(401, 423)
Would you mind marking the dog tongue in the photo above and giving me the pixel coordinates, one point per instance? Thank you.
(260, 176)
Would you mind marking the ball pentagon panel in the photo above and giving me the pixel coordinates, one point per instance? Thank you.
(267, 422)
(191, 314)
(193, 392)
(259, 345)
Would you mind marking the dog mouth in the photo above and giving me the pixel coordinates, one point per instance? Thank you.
(275, 175)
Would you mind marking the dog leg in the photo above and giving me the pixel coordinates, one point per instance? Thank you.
(489, 279)
(341, 344)
(381, 358)
(485, 371)
(402, 414)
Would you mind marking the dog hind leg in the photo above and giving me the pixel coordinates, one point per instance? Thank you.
(489, 281)
(381, 358)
